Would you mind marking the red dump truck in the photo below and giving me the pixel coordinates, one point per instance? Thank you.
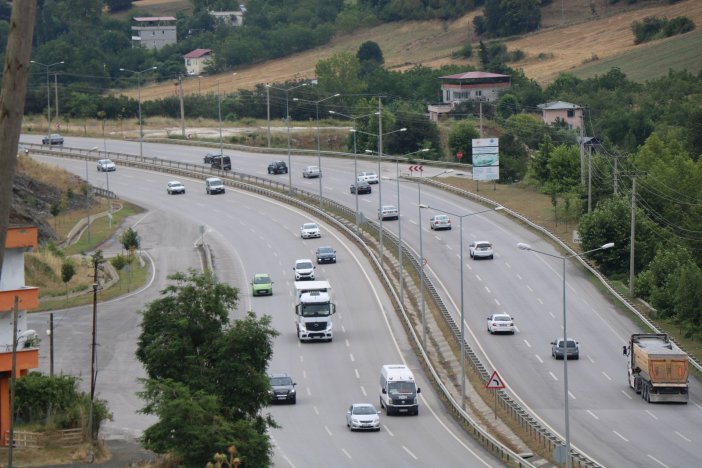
(658, 369)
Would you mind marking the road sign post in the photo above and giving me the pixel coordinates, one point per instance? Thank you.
(495, 383)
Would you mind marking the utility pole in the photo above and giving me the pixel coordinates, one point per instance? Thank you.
(56, 95)
(51, 344)
(13, 378)
(97, 262)
(589, 179)
(632, 236)
(182, 107)
(581, 147)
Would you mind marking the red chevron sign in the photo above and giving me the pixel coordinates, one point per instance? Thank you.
(416, 168)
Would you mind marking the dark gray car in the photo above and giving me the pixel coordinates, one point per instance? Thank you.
(561, 347)
(282, 388)
(326, 255)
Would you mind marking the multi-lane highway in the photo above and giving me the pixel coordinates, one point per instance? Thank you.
(608, 421)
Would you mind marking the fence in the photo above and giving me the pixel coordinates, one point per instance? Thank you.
(64, 438)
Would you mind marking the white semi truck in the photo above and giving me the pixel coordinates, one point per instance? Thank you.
(314, 310)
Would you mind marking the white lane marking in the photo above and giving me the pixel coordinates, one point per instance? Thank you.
(358, 376)
(388, 431)
(657, 460)
(540, 301)
(346, 453)
(343, 329)
(508, 265)
(697, 405)
(651, 414)
(347, 342)
(626, 394)
(606, 376)
(410, 453)
(571, 395)
(621, 436)
(363, 390)
(519, 277)
(527, 343)
(497, 302)
(539, 358)
(304, 374)
(683, 437)
(487, 289)
(553, 376)
(551, 314)
(529, 288)
(592, 414)
(478, 277)
(302, 358)
(449, 247)
(352, 358)
(309, 392)
(326, 428)
(590, 359)
(316, 410)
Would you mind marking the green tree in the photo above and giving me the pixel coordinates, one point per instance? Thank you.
(340, 73)
(68, 270)
(130, 240)
(513, 159)
(528, 128)
(510, 17)
(370, 56)
(460, 139)
(660, 282)
(190, 325)
(564, 169)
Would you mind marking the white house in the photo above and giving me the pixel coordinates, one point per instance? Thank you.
(197, 60)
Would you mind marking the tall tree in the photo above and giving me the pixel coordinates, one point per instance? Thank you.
(12, 96)
(215, 395)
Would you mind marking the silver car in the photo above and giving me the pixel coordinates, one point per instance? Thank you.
(363, 417)
(388, 212)
(565, 347)
(174, 187)
(480, 249)
(440, 221)
(311, 171)
(105, 165)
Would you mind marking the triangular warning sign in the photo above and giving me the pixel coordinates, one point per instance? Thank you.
(495, 382)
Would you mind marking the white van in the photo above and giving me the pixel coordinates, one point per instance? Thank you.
(214, 185)
(398, 390)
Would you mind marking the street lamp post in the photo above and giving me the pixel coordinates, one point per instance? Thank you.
(287, 121)
(355, 153)
(563, 259)
(463, 325)
(48, 96)
(141, 123)
(87, 192)
(319, 154)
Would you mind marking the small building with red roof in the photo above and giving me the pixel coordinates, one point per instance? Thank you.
(473, 86)
(197, 60)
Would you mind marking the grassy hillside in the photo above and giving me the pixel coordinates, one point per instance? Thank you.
(586, 34)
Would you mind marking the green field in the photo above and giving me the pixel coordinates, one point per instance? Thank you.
(677, 53)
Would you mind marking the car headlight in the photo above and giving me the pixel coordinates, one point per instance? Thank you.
(292, 392)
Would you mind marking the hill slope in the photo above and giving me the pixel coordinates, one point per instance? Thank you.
(569, 39)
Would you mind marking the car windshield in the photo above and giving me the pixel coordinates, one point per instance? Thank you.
(483, 246)
(569, 344)
(309, 226)
(501, 318)
(365, 409)
(315, 310)
(262, 279)
(280, 381)
(303, 265)
(441, 218)
(324, 250)
(216, 182)
(395, 388)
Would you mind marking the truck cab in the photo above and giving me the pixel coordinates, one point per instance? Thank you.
(313, 315)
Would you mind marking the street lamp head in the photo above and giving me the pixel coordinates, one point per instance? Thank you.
(499, 208)
(403, 129)
(369, 151)
(609, 245)
(422, 205)
(523, 246)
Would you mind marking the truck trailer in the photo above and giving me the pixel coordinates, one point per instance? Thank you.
(658, 370)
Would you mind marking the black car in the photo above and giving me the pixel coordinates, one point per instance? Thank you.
(209, 156)
(278, 167)
(221, 162)
(53, 139)
(361, 187)
(282, 388)
(326, 255)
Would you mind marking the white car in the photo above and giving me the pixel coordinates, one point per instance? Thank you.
(174, 187)
(311, 171)
(480, 249)
(388, 212)
(500, 323)
(370, 177)
(310, 230)
(304, 269)
(363, 417)
(105, 165)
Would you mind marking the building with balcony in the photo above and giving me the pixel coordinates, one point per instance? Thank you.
(154, 32)
(16, 299)
(469, 87)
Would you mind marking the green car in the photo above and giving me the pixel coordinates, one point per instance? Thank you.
(262, 285)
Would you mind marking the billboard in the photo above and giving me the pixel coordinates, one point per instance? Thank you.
(486, 159)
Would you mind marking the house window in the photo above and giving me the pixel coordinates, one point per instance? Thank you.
(571, 113)
(478, 93)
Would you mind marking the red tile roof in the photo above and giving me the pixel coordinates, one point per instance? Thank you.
(197, 53)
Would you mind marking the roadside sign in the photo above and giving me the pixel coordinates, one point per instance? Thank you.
(495, 382)
(416, 168)
(459, 155)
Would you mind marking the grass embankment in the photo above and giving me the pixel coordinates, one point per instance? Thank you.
(43, 268)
